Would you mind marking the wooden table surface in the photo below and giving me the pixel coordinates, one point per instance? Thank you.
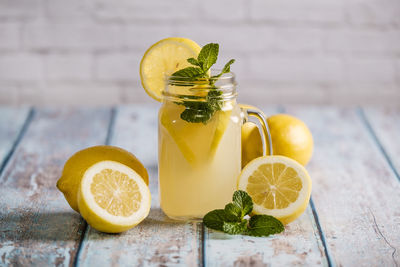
(353, 218)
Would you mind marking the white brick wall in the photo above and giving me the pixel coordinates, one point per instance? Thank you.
(288, 51)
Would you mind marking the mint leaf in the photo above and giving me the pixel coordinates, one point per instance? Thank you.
(201, 111)
(226, 69)
(234, 228)
(234, 210)
(208, 56)
(230, 220)
(215, 219)
(197, 112)
(189, 72)
(193, 61)
(243, 201)
(264, 225)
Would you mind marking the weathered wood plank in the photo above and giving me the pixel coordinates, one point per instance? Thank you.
(385, 123)
(300, 244)
(355, 192)
(157, 241)
(37, 227)
(11, 122)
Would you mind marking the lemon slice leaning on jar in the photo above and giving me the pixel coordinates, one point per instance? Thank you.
(164, 58)
(112, 197)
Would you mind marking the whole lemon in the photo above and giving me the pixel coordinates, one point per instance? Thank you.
(251, 143)
(77, 164)
(290, 137)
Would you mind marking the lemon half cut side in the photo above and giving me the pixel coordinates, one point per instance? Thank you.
(112, 197)
(279, 186)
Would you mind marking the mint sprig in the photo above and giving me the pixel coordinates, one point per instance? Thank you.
(232, 220)
(202, 111)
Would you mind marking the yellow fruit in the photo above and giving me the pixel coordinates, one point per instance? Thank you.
(290, 137)
(279, 186)
(112, 197)
(252, 146)
(78, 163)
(186, 135)
(222, 121)
(164, 58)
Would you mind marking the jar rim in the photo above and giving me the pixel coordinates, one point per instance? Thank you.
(227, 78)
(190, 89)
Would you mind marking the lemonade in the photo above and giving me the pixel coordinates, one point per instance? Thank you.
(198, 163)
(199, 126)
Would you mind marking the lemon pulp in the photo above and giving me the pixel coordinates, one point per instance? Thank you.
(116, 193)
(279, 186)
(78, 163)
(112, 197)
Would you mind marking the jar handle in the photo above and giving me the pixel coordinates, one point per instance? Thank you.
(251, 111)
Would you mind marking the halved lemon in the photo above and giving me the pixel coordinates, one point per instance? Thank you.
(164, 58)
(77, 164)
(112, 197)
(278, 185)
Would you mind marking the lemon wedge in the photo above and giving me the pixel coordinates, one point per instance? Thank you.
(164, 58)
(112, 197)
(278, 185)
(221, 125)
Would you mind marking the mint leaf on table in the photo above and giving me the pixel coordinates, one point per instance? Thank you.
(243, 201)
(234, 210)
(231, 220)
(264, 225)
(215, 219)
(201, 111)
(234, 228)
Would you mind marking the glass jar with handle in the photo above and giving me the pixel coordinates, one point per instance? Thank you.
(199, 144)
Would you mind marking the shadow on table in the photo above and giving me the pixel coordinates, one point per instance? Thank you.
(46, 227)
(156, 223)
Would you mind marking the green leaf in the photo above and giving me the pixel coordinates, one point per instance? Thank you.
(234, 210)
(193, 61)
(227, 67)
(189, 72)
(243, 201)
(234, 228)
(197, 112)
(215, 219)
(208, 56)
(201, 111)
(264, 225)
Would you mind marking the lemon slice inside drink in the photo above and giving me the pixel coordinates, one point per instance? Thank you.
(164, 58)
(278, 185)
(112, 197)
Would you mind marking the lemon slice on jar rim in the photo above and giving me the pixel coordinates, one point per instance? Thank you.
(164, 58)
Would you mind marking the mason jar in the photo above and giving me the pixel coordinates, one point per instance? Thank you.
(199, 144)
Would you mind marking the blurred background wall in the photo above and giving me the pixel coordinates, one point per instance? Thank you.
(63, 52)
